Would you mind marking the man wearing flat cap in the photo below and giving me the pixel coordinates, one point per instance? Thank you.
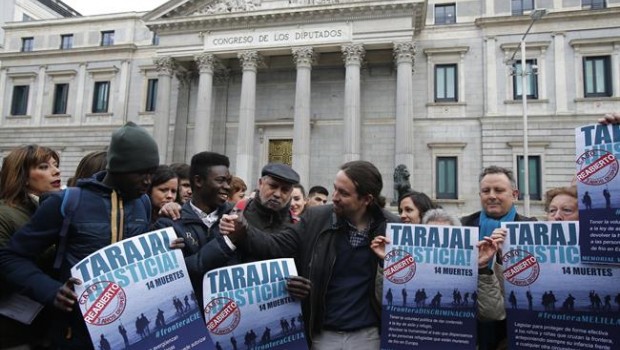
(270, 209)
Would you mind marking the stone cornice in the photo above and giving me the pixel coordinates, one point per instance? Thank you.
(559, 16)
(70, 52)
(595, 41)
(530, 45)
(445, 50)
(294, 15)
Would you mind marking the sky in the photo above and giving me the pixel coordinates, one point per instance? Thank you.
(98, 7)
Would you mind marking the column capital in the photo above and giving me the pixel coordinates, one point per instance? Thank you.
(221, 76)
(165, 65)
(404, 52)
(353, 53)
(250, 59)
(185, 77)
(207, 62)
(303, 55)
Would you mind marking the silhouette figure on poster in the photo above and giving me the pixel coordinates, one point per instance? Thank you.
(160, 321)
(587, 200)
(389, 297)
(104, 344)
(512, 298)
(123, 332)
(607, 196)
(404, 293)
(530, 299)
(436, 301)
(569, 303)
(233, 341)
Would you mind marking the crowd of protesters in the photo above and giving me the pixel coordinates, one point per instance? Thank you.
(338, 241)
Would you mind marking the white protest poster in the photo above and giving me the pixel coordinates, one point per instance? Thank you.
(247, 306)
(553, 300)
(597, 166)
(430, 284)
(136, 294)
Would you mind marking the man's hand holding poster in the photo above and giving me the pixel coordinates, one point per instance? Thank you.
(429, 287)
(552, 299)
(248, 307)
(135, 294)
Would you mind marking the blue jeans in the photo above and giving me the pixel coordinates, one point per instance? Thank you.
(361, 339)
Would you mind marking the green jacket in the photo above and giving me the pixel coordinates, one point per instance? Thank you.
(11, 220)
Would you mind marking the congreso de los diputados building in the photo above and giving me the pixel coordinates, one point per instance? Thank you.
(435, 85)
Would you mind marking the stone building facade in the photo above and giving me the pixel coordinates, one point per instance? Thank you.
(424, 83)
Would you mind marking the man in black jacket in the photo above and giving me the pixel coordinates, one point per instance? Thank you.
(270, 209)
(205, 248)
(331, 244)
(498, 193)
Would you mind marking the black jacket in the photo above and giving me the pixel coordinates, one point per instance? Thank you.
(311, 243)
(205, 248)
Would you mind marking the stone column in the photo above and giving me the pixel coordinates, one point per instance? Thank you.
(78, 113)
(120, 108)
(38, 102)
(203, 129)
(301, 130)
(353, 56)
(161, 126)
(3, 92)
(247, 107)
(561, 99)
(615, 62)
(404, 54)
(491, 76)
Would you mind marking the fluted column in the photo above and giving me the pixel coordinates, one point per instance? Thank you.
(203, 128)
(491, 76)
(161, 127)
(353, 56)
(301, 129)
(38, 103)
(78, 113)
(247, 107)
(404, 54)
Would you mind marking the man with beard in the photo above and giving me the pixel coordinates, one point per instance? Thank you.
(331, 244)
(270, 210)
(498, 193)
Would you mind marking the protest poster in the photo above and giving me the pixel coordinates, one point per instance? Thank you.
(553, 301)
(136, 294)
(429, 287)
(598, 148)
(247, 306)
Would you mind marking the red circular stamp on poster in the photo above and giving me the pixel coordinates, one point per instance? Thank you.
(102, 303)
(399, 267)
(597, 167)
(521, 267)
(222, 315)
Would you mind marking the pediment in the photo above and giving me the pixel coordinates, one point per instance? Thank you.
(199, 14)
(189, 8)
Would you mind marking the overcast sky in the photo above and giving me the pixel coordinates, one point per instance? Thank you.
(97, 7)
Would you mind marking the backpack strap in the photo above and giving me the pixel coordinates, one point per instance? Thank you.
(146, 201)
(70, 202)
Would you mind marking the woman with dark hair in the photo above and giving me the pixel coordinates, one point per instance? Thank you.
(298, 201)
(91, 164)
(164, 186)
(413, 205)
(27, 172)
